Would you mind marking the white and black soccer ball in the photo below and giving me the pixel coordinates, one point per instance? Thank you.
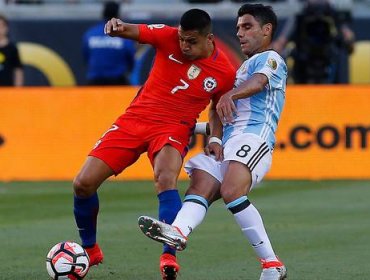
(67, 260)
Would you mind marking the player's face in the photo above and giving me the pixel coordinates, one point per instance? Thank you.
(252, 36)
(194, 45)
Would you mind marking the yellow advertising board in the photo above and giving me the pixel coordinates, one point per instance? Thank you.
(46, 133)
(324, 133)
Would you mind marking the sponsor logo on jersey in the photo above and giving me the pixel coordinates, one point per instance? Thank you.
(209, 84)
(272, 63)
(171, 57)
(174, 140)
(193, 72)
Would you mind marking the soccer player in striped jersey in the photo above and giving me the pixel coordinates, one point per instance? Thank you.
(250, 113)
(189, 72)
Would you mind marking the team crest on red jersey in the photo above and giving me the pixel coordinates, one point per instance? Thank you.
(193, 72)
(209, 84)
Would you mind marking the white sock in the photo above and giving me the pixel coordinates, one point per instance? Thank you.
(251, 224)
(189, 217)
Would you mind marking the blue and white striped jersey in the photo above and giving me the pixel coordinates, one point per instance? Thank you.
(260, 113)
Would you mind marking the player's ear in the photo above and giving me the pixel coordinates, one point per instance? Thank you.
(267, 29)
(210, 37)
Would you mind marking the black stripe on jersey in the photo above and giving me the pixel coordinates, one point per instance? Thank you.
(256, 155)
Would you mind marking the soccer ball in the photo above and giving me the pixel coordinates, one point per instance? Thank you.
(67, 260)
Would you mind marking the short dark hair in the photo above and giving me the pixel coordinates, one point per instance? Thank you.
(263, 14)
(196, 19)
(111, 10)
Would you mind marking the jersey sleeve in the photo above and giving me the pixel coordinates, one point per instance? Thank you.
(273, 67)
(154, 34)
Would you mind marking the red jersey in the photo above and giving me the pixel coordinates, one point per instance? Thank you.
(178, 90)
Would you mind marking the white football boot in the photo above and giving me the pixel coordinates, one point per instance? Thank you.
(273, 270)
(162, 232)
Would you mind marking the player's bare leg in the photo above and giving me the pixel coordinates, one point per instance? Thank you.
(86, 204)
(167, 166)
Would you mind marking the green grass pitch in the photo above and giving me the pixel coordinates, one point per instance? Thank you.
(320, 229)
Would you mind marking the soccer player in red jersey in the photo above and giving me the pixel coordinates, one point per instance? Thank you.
(189, 71)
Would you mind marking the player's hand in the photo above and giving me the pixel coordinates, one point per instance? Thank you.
(226, 108)
(114, 27)
(216, 150)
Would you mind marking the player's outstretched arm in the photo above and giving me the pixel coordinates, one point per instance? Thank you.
(117, 28)
(226, 107)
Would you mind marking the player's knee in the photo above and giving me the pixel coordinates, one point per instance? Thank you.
(165, 181)
(228, 194)
(209, 194)
(82, 187)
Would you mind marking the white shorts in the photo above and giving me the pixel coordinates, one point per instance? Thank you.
(248, 149)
